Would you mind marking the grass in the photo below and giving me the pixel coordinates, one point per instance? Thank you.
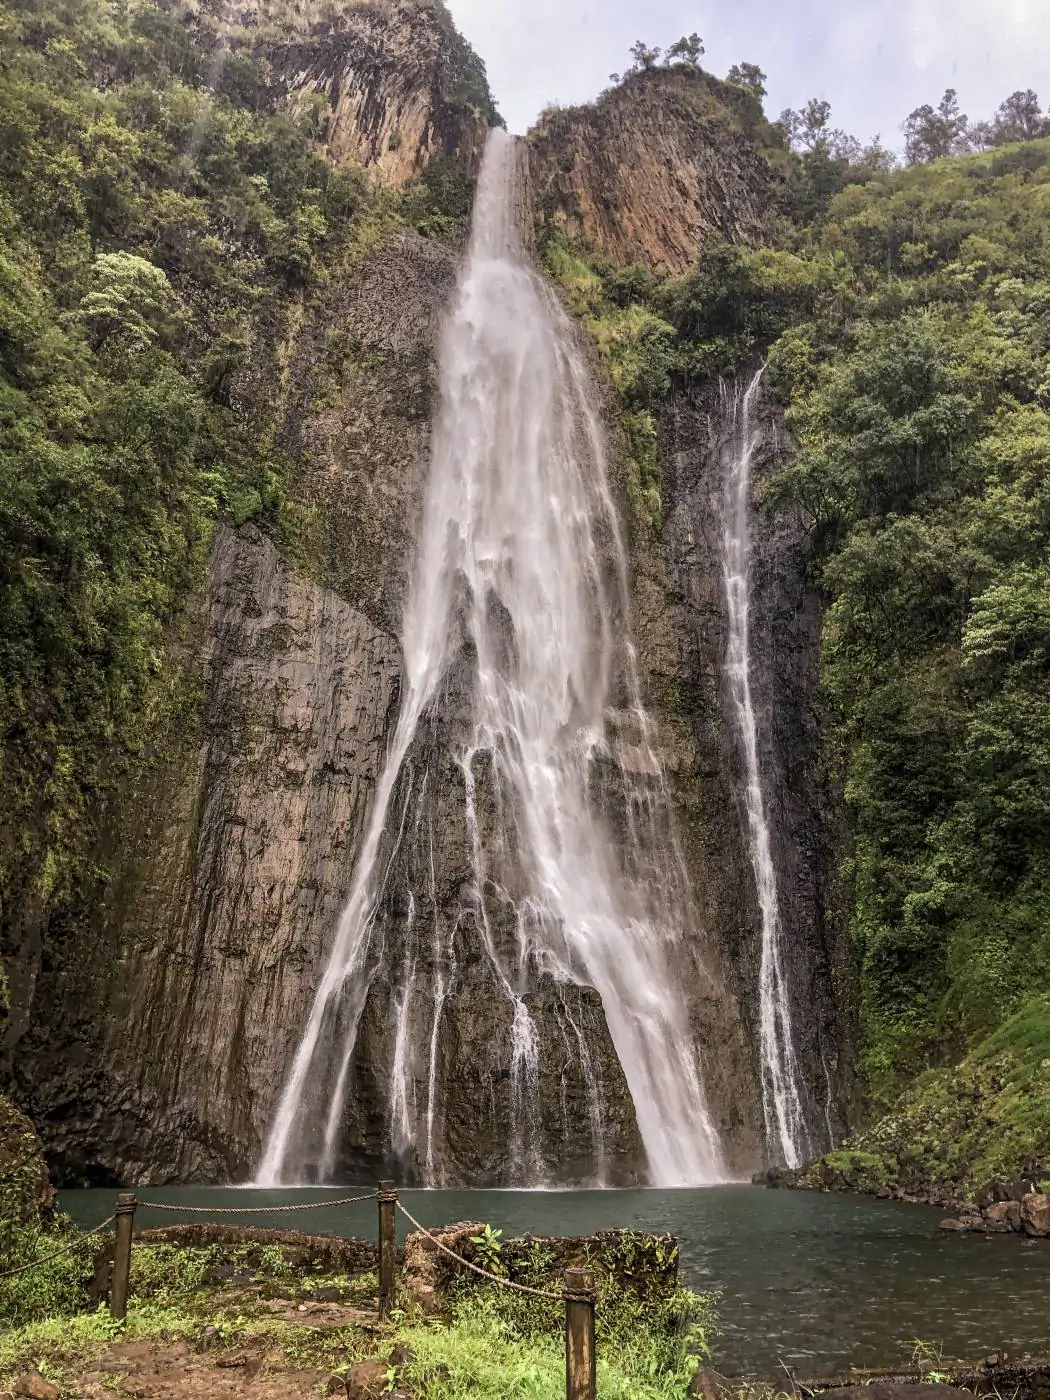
(478, 1354)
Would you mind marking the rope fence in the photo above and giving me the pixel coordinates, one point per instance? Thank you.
(255, 1210)
(476, 1268)
(38, 1263)
(578, 1294)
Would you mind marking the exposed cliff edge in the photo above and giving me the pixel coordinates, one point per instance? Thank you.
(656, 164)
(402, 85)
(399, 86)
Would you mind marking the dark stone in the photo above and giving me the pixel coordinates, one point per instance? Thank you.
(707, 1385)
(34, 1387)
(367, 1380)
(698, 430)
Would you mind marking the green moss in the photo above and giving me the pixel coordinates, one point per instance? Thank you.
(955, 1129)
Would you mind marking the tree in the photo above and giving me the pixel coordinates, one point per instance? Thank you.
(644, 57)
(749, 76)
(980, 136)
(689, 49)
(809, 130)
(808, 127)
(130, 298)
(876, 156)
(930, 135)
(1019, 118)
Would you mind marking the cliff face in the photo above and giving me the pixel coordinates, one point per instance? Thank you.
(153, 1016)
(644, 175)
(401, 85)
(699, 436)
(655, 165)
(159, 1054)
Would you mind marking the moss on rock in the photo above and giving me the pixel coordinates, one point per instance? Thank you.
(26, 1193)
(956, 1129)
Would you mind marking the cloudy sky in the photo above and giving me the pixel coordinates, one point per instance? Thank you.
(873, 60)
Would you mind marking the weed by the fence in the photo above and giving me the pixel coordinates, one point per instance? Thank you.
(485, 1354)
(56, 1287)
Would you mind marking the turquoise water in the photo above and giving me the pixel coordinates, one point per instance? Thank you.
(809, 1281)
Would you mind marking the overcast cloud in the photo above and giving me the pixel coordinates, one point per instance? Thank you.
(873, 60)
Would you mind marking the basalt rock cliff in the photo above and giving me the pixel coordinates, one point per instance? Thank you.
(658, 163)
(153, 1018)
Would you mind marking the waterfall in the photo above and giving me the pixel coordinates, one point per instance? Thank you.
(521, 587)
(781, 1076)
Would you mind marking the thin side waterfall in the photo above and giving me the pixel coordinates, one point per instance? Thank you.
(516, 627)
(781, 1076)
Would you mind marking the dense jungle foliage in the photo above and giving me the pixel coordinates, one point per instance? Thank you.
(905, 317)
(165, 217)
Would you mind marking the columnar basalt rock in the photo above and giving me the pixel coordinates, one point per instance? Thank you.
(697, 431)
(653, 167)
(400, 85)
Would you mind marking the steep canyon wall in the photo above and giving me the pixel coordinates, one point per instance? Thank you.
(153, 1023)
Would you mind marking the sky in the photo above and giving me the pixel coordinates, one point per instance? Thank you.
(873, 60)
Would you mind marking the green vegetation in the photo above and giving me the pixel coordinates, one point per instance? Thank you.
(166, 223)
(955, 1129)
(488, 1342)
(917, 392)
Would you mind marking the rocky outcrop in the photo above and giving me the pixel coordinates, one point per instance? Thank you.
(645, 1266)
(399, 85)
(1019, 1207)
(656, 165)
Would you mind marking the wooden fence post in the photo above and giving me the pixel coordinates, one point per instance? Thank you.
(581, 1378)
(118, 1296)
(387, 1245)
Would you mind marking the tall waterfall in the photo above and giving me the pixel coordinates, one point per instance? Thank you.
(575, 880)
(781, 1074)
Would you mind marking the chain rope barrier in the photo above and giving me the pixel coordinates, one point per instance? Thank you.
(253, 1210)
(476, 1268)
(36, 1263)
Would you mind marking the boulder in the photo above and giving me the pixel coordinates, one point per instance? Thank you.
(1003, 1216)
(427, 1269)
(367, 1380)
(1034, 1213)
(33, 1386)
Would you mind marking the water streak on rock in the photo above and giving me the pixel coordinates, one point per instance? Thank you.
(786, 1135)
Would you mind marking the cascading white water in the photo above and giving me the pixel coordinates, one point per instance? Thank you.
(521, 563)
(781, 1075)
